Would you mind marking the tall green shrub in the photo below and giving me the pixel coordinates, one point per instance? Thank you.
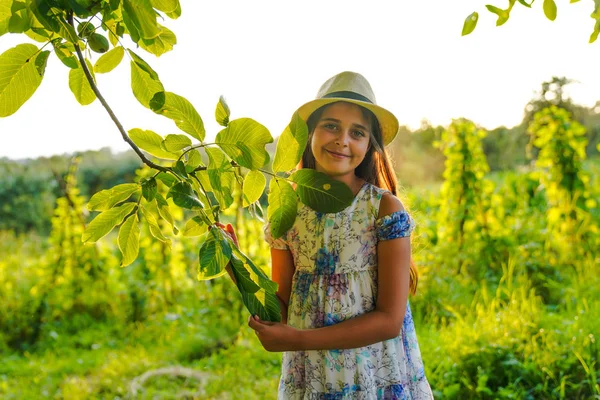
(462, 215)
(562, 143)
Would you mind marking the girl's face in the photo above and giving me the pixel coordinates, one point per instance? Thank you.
(340, 140)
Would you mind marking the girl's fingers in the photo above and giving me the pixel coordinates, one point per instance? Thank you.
(260, 321)
(257, 326)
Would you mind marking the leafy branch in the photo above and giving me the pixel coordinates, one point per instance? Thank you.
(236, 159)
(550, 11)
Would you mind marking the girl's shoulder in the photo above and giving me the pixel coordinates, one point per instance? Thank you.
(370, 198)
(391, 218)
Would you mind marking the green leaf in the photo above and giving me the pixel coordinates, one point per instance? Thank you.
(222, 112)
(245, 140)
(64, 52)
(596, 31)
(194, 159)
(4, 25)
(142, 15)
(176, 142)
(202, 187)
(151, 143)
(262, 303)
(129, 240)
(105, 222)
(164, 211)
(243, 277)
(19, 77)
(40, 62)
(149, 189)
(79, 85)
(45, 15)
(283, 207)
(109, 61)
(184, 196)
(166, 6)
(503, 15)
(214, 255)
(180, 110)
(470, 23)
(161, 44)
(256, 274)
(130, 26)
(167, 178)
(175, 14)
(40, 35)
(528, 5)
(144, 81)
(194, 227)
(20, 19)
(113, 31)
(221, 177)
(153, 226)
(53, 19)
(254, 185)
(291, 145)
(106, 199)
(5, 10)
(320, 192)
(179, 169)
(550, 9)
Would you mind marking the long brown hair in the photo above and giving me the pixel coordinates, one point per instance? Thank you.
(376, 168)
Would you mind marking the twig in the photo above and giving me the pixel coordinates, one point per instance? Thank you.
(112, 115)
(138, 382)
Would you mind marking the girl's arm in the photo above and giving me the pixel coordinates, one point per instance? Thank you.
(383, 323)
(282, 271)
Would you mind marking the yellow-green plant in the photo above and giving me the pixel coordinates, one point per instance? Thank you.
(562, 144)
(75, 277)
(75, 27)
(462, 214)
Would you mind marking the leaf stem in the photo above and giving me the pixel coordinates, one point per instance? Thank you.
(194, 147)
(110, 112)
(269, 173)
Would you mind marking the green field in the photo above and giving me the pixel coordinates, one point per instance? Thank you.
(507, 305)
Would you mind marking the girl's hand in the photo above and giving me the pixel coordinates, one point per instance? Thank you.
(275, 336)
(229, 231)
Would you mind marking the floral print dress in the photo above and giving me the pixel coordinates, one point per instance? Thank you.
(335, 279)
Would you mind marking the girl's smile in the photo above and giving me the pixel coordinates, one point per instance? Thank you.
(337, 156)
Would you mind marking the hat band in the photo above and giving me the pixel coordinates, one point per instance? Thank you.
(347, 95)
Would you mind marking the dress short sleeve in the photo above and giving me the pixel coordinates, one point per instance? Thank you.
(279, 244)
(395, 225)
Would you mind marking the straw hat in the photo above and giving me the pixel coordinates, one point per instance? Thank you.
(353, 88)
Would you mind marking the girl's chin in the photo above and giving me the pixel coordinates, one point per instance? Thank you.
(334, 170)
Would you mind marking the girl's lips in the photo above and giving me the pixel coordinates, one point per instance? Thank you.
(336, 155)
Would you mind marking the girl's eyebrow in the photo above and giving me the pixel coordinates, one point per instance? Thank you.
(359, 126)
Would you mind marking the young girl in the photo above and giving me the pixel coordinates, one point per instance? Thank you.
(344, 278)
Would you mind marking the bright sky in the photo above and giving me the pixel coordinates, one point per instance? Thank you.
(269, 57)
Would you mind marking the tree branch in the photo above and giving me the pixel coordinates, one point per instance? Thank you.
(112, 115)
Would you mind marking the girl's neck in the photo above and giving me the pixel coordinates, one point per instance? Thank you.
(352, 181)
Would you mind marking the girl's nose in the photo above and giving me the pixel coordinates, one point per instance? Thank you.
(342, 139)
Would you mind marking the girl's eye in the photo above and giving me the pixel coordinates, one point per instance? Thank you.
(358, 133)
(330, 126)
